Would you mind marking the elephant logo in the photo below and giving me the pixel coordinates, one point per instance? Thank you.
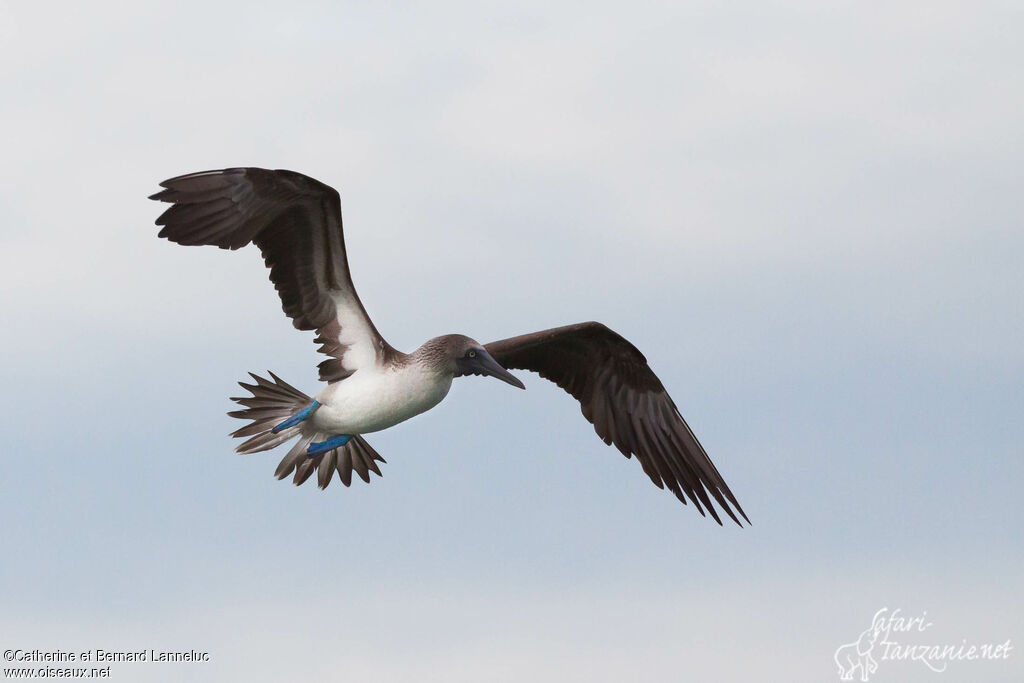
(855, 657)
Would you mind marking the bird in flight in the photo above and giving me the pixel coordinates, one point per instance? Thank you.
(295, 220)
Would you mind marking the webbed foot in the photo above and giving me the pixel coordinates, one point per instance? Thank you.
(298, 417)
(331, 443)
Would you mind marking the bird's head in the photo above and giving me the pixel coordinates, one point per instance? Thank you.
(461, 355)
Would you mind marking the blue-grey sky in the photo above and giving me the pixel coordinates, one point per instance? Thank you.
(807, 216)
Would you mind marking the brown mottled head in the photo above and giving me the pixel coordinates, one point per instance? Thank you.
(460, 355)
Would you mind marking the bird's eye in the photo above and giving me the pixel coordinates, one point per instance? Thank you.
(471, 354)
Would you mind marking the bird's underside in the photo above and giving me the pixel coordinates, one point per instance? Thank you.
(296, 222)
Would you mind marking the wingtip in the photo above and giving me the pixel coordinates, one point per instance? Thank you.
(733, 516)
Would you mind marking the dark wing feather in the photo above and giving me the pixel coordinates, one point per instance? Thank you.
(627, 404)
(296, 222)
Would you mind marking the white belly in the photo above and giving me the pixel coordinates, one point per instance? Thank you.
(373, 399)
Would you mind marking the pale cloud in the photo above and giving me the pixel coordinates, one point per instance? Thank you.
(467, 631)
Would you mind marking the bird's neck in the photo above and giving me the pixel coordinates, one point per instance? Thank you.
(432, 357)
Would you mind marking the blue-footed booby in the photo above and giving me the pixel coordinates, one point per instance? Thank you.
(296, 222)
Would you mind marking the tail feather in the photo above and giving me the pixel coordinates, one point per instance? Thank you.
(325, 470)
(345, 466)
(271, 403)
(295, 456)
(369, 456)
(264, 441)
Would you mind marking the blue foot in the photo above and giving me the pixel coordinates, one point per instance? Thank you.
(331, 443)
(297, 417)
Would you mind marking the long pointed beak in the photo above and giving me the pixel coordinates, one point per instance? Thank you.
(489, 366)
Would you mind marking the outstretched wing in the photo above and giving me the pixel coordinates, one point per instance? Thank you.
(627, 404)
(296, 222)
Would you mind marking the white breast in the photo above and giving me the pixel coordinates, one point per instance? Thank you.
(372, 399)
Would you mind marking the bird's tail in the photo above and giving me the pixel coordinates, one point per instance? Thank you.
(273, 402)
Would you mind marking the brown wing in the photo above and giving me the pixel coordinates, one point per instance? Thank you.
(627, 404)
(296, 222)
